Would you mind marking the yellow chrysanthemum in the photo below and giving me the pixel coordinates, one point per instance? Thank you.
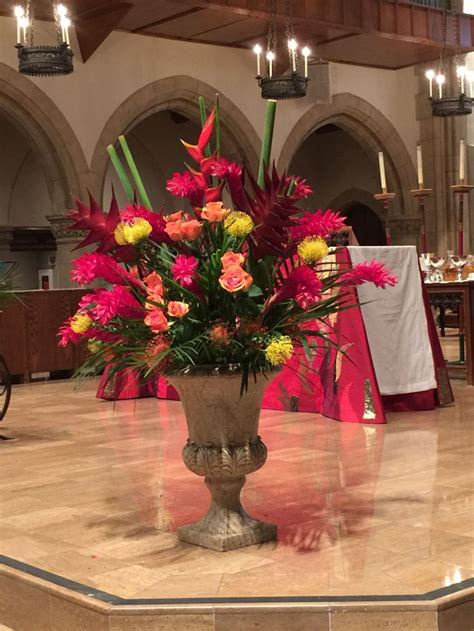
(313, 249)
(119, 234)
(238, 224)
(81, 322)
(279, 351)
(136, 231)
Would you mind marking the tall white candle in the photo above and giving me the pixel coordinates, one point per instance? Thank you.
(270, 58)
(419, 164)
(19, 13)
(430, 75)
(462, 160)
(440, 79)
(306, 53)
(383, 180)
(292, 45)
(24, 25)
(461, 72)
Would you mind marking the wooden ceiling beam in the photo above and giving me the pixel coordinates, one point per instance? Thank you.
(170, 18)
(94, 25)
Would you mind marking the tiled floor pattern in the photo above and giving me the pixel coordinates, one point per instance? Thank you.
(94, 491)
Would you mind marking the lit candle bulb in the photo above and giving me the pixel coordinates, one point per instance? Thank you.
(306, 53)
(462, 161)
(293, 45)
(65, 24)
(461, 73)
(270, 59)
(419, 164)
(383, 179)
(440, 79)
(19, 13)
(61, 10)
(430, 75)
(24, 24)
(257, 49)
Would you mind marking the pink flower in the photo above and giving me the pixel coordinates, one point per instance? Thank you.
(302, 285)
(106, 304)
(221, 168)
(370, 272)
(185, 185)
(184, 270)
(318, 224)
(90, 266)
(302, 189)
(66, 334)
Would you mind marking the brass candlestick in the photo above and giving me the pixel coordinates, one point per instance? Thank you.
(420, 194)
(386, 198)
(459, 190)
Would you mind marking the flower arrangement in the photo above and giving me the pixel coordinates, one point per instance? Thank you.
(243, 283)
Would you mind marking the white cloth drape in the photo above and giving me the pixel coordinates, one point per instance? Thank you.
(395, 322)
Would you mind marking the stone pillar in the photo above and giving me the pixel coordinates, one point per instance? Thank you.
(404, 230)
(66, 241)
(6, 239)
(440, 141)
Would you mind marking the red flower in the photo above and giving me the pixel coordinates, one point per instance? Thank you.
(302, 285)
(318, 224)
(184, 270)
(369, 272)
(302, 189)
(185, 185)
(90, 266)
(221, 168)
(105, 304)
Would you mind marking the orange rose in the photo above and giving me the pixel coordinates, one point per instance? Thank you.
(235, 279)
(156, 320)
(190, 229)
(155, 299)
(154, 283)
(174, 231)
(174, 216)
(232, 258)
(177, 309)
(214, 212)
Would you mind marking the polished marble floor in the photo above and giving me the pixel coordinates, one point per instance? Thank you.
(94, 491)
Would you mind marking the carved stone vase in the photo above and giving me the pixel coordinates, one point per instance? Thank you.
(224, 447)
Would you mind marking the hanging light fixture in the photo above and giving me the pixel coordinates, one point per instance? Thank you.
(43, 60)
(286, 86)
(442, 101)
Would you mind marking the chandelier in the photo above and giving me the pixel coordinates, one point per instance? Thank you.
(443, 103)
(282, 86)
(43, 60)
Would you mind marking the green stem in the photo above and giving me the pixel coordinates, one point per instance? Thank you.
(218, 126)
(123, 177)
(291, 188)
(267, 141)
(142, 194)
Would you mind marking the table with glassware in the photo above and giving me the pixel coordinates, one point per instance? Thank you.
(459, 296)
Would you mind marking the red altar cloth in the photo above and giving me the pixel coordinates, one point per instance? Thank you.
(340, 384)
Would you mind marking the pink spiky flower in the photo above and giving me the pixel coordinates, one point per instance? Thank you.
(106, 304)
(90, 266)
(302, 285)
(318, 224)
(369, 272)
(184, 270)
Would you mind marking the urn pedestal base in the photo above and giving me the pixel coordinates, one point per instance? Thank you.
(226, 526)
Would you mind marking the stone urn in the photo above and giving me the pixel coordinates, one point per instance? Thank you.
(223, 447)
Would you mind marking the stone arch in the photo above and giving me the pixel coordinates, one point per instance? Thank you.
(178, 93)
(357, 195)
(371, 129)
(37, 117)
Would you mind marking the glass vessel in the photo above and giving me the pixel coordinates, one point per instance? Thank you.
(438, 263)
(459, 262)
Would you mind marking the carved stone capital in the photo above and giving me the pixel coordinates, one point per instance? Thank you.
(221, 463)
(60, 226)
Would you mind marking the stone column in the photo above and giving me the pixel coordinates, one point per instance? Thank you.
(440, 141)
(6, 239)
(66, 241)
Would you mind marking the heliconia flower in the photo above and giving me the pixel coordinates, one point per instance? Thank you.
(155, 347)
(214, 212)
(177, 309)
(90, 266)
(238, 224)
(156, 320)
(318, 224)
(232, 258)
(369, 272)
(302, 285)
(234, 279)
(279, 351)
(312, 249)
(105, 304)
(184, 270)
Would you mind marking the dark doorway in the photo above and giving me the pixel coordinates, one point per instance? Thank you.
(367, 226)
